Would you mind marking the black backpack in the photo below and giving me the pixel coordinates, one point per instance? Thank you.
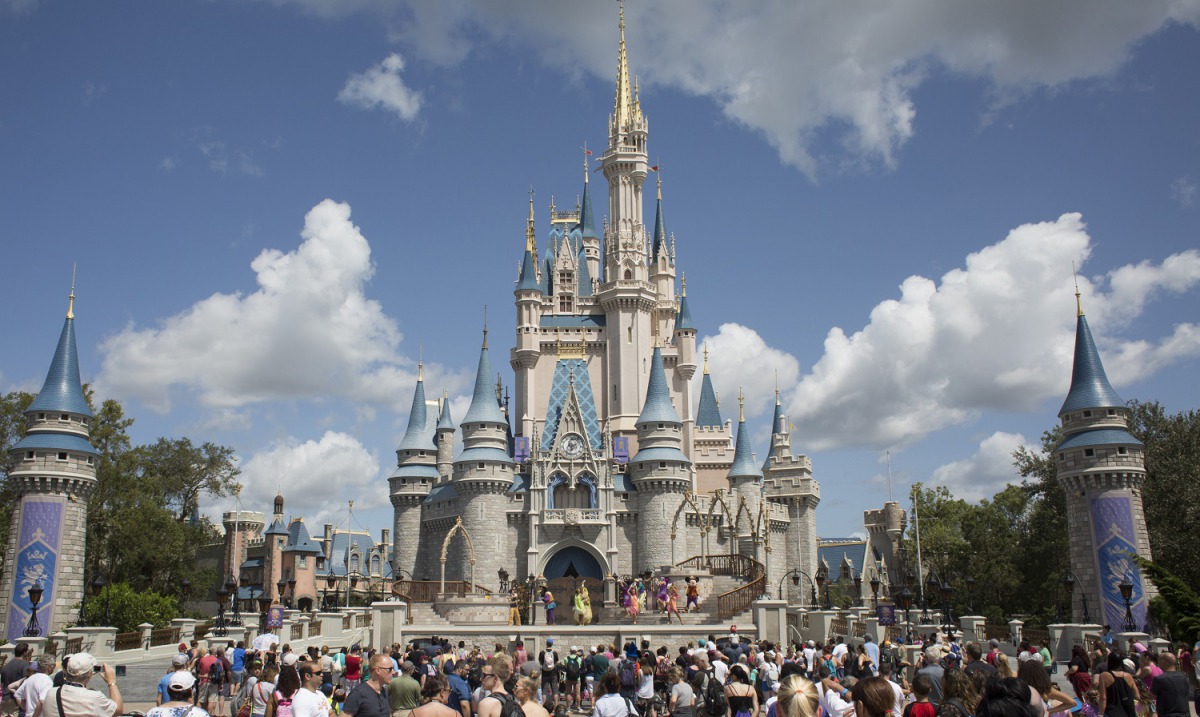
(509, 707)
(629, 674)
(715, 702)
(573, 667)
(216, 673)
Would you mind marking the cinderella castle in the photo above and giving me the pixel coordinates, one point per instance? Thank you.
(606, 463)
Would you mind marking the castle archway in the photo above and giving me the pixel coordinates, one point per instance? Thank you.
(573, 561)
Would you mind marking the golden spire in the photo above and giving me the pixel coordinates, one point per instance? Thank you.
(623, 111)
(741, 405)
(1079, 305)
(485, 326)
(530, 240)
(706, 357)
(71, 298)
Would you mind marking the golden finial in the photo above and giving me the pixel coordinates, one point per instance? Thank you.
(420, 360)
(71, 298)
(1078, 303)
(684, 284)
(776, 387)
(530, 240)
(485, 326)
(705, 357)
(741, 405)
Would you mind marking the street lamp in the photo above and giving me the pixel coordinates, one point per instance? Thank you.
(264, 604)
(232, 586)
(1069, 581)
(503, 575)
(330, 583)
(795, 573)
(858, 590)
(291, 591)
(932, 585)
(98, 585)
(905, 598)
(947, 614)
(822, 579)
(281, 586)
(1126, 589)
(875, 589)
(529, 587)
(35, 597)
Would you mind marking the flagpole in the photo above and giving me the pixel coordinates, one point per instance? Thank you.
(917, 529)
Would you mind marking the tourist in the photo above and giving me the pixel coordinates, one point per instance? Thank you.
(460, 691)
(309, 701)
(1170, 689)
(797, 698)
(921, 706)
(682, 700)
(253, 673)
(14, 670)
(179, 698)
(434, 694)
(960, 698)
(673, 603)
(885, 671)
(370, 698)
(404, 692)
(263, 690)
(1117, 689)
(498, 671)
(611, 703)
(34, 688)
(873, 697)
(572, 674)
(974, 663)
(237, 666)
(549, 661)
(526, 694)
(645, 686)
(210, 671)
(178, 663)
(1007, 697)
(286, 687)
(77, 700)
(353, 671)
(1053, 699)
(739, 692)
(934, 671)
(1079, 671)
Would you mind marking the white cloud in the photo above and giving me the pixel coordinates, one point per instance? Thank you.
(739, 358)
(985, 473)
(1183, 191)
(92, 92)
(381, 86)
(850, 68)
(995, 335)
(167, 163)
(307, 332)
(304, 472)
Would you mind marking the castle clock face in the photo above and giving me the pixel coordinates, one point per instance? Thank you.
(572, 445)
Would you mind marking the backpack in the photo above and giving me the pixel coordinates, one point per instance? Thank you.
(715, 702)
(887, 657)
(629, 674)
(574, 666)
(509, 707)
(662, 668)
(283, 705)
(548, 660)
(216, 673)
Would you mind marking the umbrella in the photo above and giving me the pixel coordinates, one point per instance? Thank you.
(263, 641)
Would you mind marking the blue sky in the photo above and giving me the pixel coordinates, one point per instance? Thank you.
(275, 207)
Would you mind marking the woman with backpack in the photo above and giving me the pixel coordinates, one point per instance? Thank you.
(280, 704)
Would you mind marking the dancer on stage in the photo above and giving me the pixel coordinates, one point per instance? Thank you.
(631, 602)
(673, 604)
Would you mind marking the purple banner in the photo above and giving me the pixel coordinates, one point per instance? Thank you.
(36, 562)
(621, 449)
(1112, 531)
(521, 449)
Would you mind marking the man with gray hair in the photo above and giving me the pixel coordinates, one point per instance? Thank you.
(76, 699)
(934, 671)
(33, 690)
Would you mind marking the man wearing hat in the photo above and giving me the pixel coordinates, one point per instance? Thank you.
(74, 699)
(178, 663)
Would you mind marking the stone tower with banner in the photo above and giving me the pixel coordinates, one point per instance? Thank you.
(54, 472)
(1101, 466)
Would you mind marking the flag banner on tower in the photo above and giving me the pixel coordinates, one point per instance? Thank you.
(521, 449)
(1112, 525)
(886, 614)
(39, 540)
(621, 449)
(275, 617)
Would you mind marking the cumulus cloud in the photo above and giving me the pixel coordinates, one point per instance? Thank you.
(381, 86)
(850, 70)
(739, 358)
(997, 334)
(307, 332)
(984, 473)
(305, 470)
(1183, 191)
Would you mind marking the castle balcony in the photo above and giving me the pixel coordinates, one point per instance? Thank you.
(573, 516)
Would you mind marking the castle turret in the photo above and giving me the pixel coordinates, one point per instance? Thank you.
(53, 472)
(712, 442)
(788, 479)
(241, 526)
(660, 470)
(744, 488)
(483, 473)
(445, 441)
(1101, 466)
(274, 541)
(529, 293)
(587, 228)
(415, 475)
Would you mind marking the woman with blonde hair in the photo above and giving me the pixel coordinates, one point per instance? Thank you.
(526, 694)
(797, 698)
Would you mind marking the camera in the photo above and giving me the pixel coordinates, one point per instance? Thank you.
(98, 668)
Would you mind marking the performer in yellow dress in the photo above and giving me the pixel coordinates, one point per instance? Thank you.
(582, 606)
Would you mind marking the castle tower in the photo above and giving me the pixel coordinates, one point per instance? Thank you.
(660, 471)
(445, 441)
(529, 294)
(712, 450)
(1101, 467)
(415, 475)
(744, 479)
(788, 479)
(241, 526)
(884, 527)
(483, 474)
(274, 541)
(54, 472)
(300, 564)
(587, 228)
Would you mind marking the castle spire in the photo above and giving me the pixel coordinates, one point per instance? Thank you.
(418, 434)
(743, 458)
(1089, 384)
(62, 390)
(484, 406)
(658, 407)
(623, 109)
(660, 228)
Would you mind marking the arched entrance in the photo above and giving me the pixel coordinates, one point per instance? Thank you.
(573, 561)
(570, 567)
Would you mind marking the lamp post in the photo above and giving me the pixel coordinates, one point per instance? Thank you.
(264, 604)
(98, 585)
(330, 583)
(35, 597)
(219, 625)
(291, 591)
(822, 580)
(905, 599)
(858, 590)
(1069, 581)
(932, 585)
(281, 586)
(795, 573)
(1126, 589)
(232, 586)
(875, 589)
(947, 610)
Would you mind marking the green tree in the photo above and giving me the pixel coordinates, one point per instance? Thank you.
(12, 430)
(129, 608)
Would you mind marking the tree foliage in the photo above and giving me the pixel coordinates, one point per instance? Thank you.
(129, 608)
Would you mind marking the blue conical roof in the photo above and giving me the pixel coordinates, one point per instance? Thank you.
(299, 540)
(529, 278)
(658, 407)
(444, 418)
(418, 436)
(660, 231)
(1089, 384)
(484, 407)
(709, 414)
(587, 218)
(777, 419)
(548, 272)
(276, 528)
(62, 391)
(743, 457)
(683, 320)
(585, 276)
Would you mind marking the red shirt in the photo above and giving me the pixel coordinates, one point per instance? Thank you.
(353, 667)
(204, 668)
(920, 709)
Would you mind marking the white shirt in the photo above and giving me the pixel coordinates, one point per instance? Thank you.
(839, 651)
(614, 706)
(833, 703)
(720, 670)
(306, 703)
(898, 707)
(810, 655)
(79, 702)
(33, 690)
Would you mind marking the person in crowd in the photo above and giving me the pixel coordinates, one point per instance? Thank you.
(740, 693)
(286, 686)
(526, 694)
(309, 701)
(434, 694)
(1117, 690)
(934, 671)
(611, 703)
(797, 697)
(498, 671)
(353, 671)
(460, 690)
(1032, 673)
(404, 692)
(1079, 671)
(973, 661)
(1007, 697)
(260, 694)
(14, 670)
(921, 706)
(33, 689)
(645, 685)
(179, 697)
(76, 699)
(178, 663)
(253, 673)
(370, 698)
(682, 700)
(885, 671)
(959, 696)
(1170, 689)
(873, 697)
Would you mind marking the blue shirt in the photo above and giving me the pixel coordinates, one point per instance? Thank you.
(162, 686)
(239, 659)
(460, 691)
(872, 652)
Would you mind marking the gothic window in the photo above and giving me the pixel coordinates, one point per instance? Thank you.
(628, 274)
(303, 562)
(578, 497)
(566, 304)
(354, 563)
(375, 565)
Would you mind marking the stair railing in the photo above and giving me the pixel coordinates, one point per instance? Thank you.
(735, 565)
